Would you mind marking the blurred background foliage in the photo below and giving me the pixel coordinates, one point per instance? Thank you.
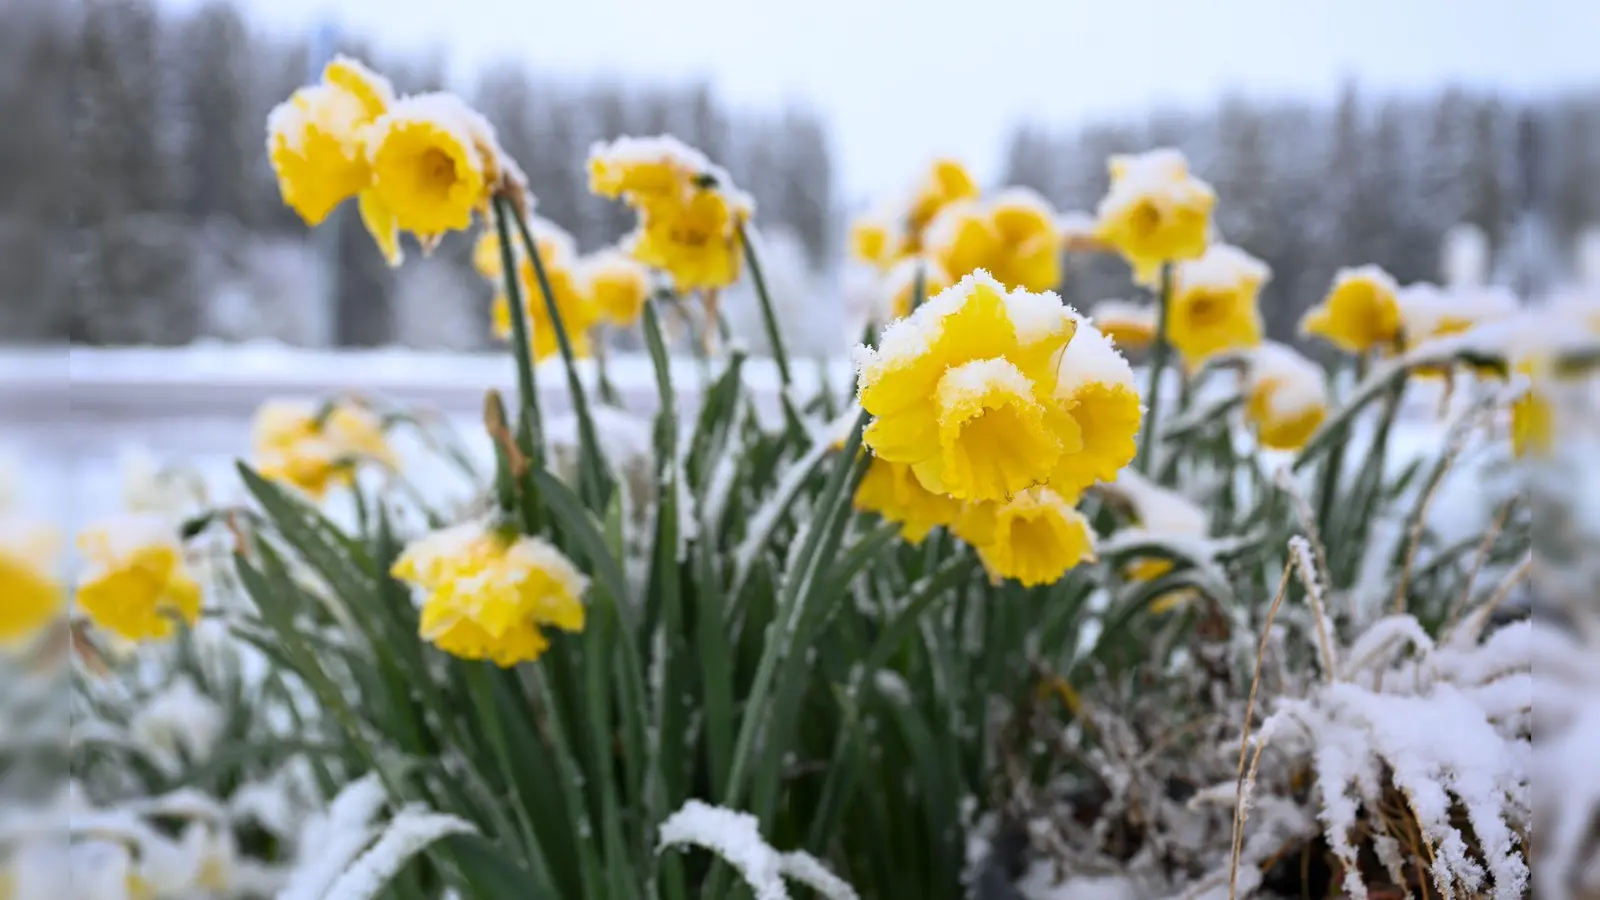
(136, 204)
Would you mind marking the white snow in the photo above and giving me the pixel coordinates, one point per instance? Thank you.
(441, 110)
(1033, 316)
(1162, 174)
(1158, 509)
(628, 150)
(978, 378)
(179, 718)
(1075, 224)
(1091, 359)
(1297, 383)
(1464, 257)
(113, 541)
(735, 837)
(1367, 273)
(1223, 267)
(1112, 312)
(664, 148)
(406, 835)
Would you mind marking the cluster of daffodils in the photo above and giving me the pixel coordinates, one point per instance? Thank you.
(608, 288)
(945, 232)
(422, 164)
(490, 594)
(315, 447)
(993, 410)
(691, 216)
(1155, 212)
(1366, 313)
(896, 231)
(1012, 236)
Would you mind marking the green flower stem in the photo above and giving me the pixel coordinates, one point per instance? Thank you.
(592, 474)
(1158, 363)
(769, 318)
(1333, 467)
(608, 391)
(530, 427)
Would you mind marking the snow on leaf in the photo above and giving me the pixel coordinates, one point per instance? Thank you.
(735, 837)
(809, 871)
(407, 834)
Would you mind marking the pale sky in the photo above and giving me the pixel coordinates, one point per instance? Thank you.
(903, 80)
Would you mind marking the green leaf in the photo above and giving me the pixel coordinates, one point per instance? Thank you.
(490, 874)
(579, 523)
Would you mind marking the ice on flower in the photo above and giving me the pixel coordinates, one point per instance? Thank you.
(1360, 313)
(1213, 306)
(1034, 537)
(1095, 386)
(1287, 396)
(33, 593)
(1130, 326)
(135, 580)
(961, 390)
(489, 594)
(1155, 211)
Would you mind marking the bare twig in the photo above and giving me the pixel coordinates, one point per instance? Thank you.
(1239, 811)
(1455, 443)
(1479, 560)
(1481, 617)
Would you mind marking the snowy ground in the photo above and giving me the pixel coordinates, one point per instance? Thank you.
(74, 417)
